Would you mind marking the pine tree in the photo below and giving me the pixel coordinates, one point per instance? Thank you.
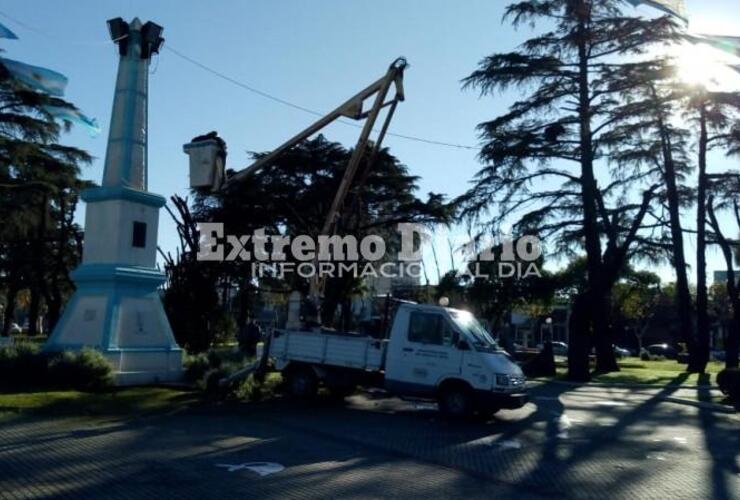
(37, 177)
(557, 127)
(717, 115)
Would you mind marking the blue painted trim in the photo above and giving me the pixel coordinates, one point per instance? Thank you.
(111, 316)
(62, 323)
(102, 273)
(103, 349)
(105, 193)
(146, 349)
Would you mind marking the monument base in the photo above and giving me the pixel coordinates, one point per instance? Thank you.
(117, 310)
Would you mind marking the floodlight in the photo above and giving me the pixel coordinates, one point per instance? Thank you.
(151, 39)
(119, 30)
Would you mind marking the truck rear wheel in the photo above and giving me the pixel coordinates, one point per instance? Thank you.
(302, 383)
(456, 401)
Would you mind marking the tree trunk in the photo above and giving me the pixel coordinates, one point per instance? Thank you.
(733, 337)
(700, 357)
(589, 301)
(732, 342)
(579, 341)
(683, 294)
(38, 282)
(58, 274)
(606, 361)
(10, 297)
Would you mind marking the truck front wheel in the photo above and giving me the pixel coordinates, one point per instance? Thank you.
(456, 401)
(302, 383)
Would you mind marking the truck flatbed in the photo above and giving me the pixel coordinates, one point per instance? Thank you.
(327, 348)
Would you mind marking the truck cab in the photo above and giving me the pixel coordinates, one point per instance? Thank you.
(444, 353)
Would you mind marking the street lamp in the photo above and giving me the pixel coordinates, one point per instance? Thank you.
(548, 321)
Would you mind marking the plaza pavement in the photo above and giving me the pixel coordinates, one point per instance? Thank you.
(569, 442)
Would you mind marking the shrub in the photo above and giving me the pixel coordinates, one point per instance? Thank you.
(225, 329)
(23, 366)
(728, 381)
(215, 359)
(210, 383)
(86, 370)
(196, 366)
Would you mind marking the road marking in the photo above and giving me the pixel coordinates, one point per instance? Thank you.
(261, 468)
(507, 444)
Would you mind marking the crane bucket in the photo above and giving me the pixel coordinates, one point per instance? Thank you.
(207, 158)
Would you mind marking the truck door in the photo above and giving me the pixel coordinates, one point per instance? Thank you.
(424, 355)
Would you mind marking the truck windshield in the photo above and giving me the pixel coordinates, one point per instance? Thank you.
(481, 339)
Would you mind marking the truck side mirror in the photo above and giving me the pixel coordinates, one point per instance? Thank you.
(462, 345)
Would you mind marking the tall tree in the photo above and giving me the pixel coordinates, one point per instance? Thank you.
(557, 127)
(36, 174)
(650, 132)
(717, 118)
(292, 196)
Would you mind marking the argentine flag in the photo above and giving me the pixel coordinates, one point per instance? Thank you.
(673, 7)
(36, 77)
(73, 115)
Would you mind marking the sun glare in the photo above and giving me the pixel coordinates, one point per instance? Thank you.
(706, 66)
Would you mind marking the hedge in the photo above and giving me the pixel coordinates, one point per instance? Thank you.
(24, 366)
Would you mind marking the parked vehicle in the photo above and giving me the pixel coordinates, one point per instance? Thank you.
(558, 348)
(621, 352)
(431, 353)
(664, 350)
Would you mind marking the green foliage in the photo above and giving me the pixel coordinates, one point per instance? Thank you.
(225, 329)
(39, 190)
(24, 366)
(195, 367)
(86, 370)
(210, 384)
(542, 156)
(129, 402)
(206, 370)
(293, 195)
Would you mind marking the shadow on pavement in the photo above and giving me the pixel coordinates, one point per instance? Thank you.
(720, 447)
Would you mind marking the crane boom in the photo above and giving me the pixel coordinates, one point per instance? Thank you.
(351, 108)
(207, 153)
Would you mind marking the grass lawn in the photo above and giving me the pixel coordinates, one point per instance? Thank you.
(128, 402)
(664, 372)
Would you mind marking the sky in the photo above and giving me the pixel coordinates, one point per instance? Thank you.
(314, 54)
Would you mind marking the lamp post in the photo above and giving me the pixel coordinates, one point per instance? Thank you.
(548, 322)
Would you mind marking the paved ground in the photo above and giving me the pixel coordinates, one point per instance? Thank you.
(569, 442)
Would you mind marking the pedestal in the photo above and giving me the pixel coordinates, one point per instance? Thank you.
(117, 308)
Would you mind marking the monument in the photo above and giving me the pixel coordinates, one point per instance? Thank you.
(116, 308)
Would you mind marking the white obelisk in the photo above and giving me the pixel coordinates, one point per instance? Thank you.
(117, 307)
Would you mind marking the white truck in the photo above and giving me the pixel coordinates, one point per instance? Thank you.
(432, 352)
